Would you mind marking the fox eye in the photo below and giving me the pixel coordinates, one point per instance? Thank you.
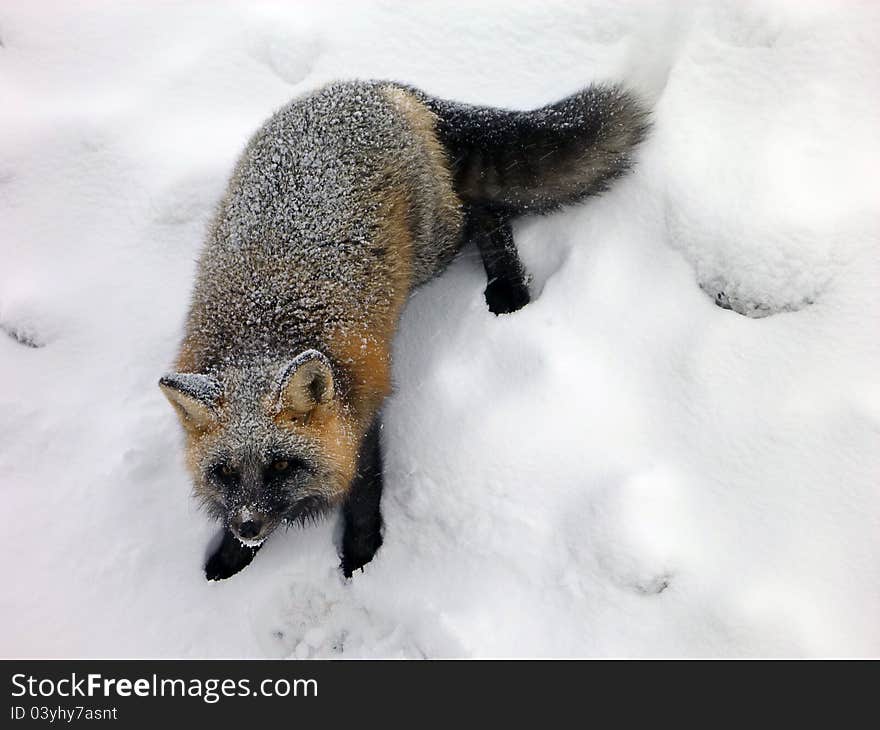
(282, 468)
(225, 473)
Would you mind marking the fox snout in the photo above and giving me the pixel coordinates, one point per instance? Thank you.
(251, 527)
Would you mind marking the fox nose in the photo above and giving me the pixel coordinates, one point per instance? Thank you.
(250, 529)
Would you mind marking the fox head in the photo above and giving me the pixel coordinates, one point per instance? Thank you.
(267, 444)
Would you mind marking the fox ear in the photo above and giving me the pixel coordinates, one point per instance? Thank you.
(194, 397)
(306, 382)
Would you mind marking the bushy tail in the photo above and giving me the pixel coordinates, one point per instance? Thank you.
(517, 162)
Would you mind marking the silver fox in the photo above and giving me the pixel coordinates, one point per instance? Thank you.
(342, 203)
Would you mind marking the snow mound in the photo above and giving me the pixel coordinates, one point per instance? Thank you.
(620, 468)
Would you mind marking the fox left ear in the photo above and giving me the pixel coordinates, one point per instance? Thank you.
(194, 397)
(306, 382)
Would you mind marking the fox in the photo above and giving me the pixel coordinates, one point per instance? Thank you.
(343, 203)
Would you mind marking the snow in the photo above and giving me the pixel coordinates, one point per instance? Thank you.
(621, 468)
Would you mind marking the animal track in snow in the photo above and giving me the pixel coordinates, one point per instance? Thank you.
(744, 26)
(289, 57)
(655, 586)
(330, 622)
(22, 335)
(750, 276)
(184, 202)
(749, 307)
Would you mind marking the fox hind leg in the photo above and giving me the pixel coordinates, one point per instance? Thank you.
(507, 288)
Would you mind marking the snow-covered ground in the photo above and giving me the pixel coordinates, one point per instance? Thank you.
(621, 468)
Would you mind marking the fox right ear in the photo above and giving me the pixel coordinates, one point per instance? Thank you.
(194, 397)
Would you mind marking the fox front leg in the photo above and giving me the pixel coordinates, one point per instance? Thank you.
(229, 558)
(362, 533)
(507, 289)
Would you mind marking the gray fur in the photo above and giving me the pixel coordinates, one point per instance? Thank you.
(292, 253)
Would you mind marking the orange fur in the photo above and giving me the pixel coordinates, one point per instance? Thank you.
(332, 426)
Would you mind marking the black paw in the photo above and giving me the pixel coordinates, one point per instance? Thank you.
(229, 559)
(358, 551)
(506, 295)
